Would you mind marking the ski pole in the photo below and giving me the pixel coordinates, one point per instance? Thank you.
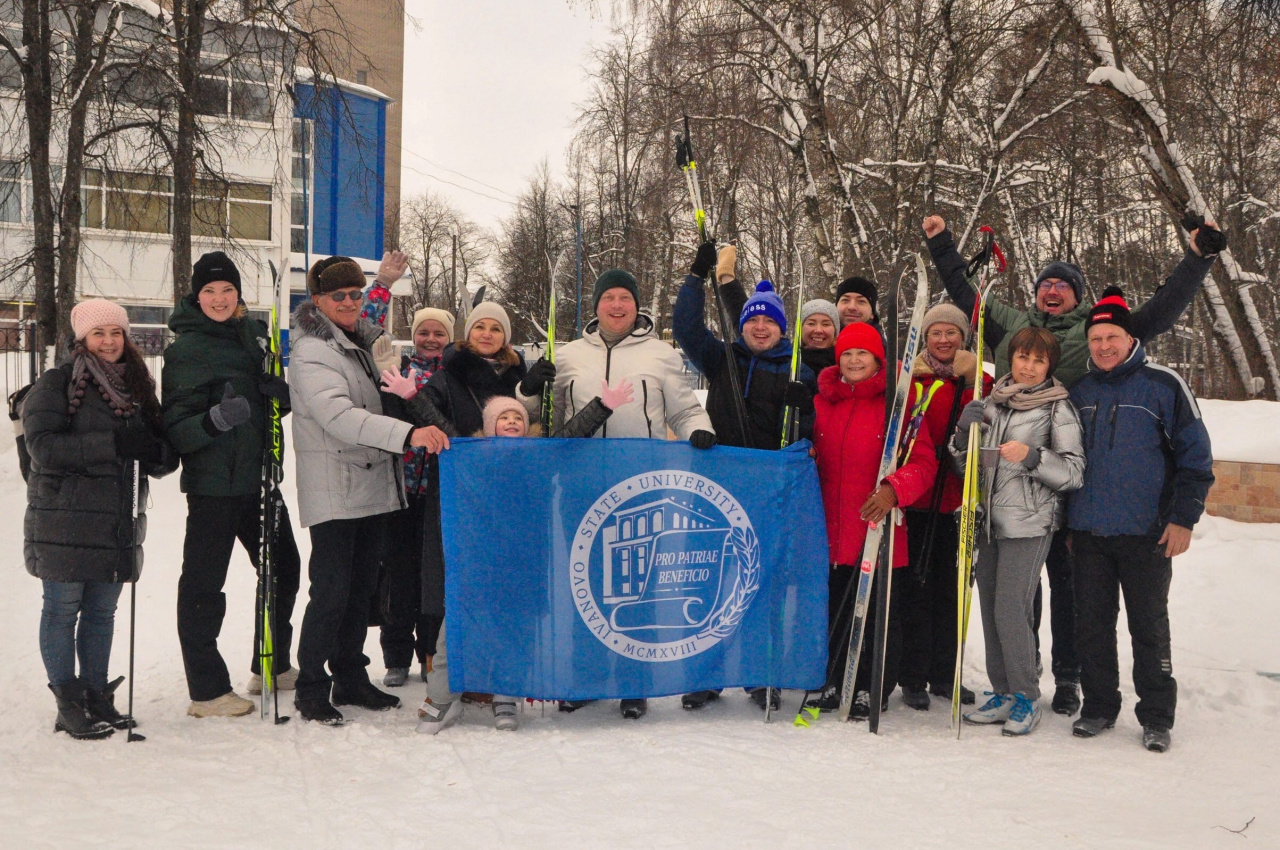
(131, 735)
(791, 416)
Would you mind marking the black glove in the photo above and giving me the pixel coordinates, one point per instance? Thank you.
(1210, 240)
(974, 413)
(274, 386)
(541, 372)
(704, 261)
(233, 410)
(136, 442)
(797, 395)
(702, 439)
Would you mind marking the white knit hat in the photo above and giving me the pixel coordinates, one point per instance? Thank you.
(488, 310)
(97, 313)
(432, 314)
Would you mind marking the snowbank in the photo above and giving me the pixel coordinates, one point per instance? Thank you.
(1243, 431)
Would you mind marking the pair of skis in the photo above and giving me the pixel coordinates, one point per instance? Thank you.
(271, 506)
(966, 557)
(878, 547)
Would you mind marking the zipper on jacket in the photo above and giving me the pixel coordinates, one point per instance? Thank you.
(1112, 443)
(608, 364)
(1093, 425)
(648, 423)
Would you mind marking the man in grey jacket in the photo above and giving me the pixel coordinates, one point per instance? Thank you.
(349, 482)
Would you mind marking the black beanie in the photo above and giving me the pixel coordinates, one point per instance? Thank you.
(614, 279)
(215, 265)
(1110, 310)
(333, 273)
(1063, 270)
(863, 287)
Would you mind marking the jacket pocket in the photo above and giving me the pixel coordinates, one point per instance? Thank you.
(362, 477)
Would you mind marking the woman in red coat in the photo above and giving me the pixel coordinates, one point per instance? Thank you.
(849, 440)
(943, 380)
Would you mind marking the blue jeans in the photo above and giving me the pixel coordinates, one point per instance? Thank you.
(93, 605)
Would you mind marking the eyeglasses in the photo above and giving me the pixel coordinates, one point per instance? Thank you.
(339, 296)
(1057, 285)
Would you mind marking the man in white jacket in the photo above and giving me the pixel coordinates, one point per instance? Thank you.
(349, 482)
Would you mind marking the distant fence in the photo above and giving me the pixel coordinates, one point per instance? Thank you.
(1247, 492)
(20, 355)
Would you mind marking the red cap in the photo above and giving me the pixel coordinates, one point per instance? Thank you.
(860, 335)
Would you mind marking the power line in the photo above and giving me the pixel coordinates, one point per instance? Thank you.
(433, 164)
(458, 185)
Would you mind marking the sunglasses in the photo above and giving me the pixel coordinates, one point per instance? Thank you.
(339, 297)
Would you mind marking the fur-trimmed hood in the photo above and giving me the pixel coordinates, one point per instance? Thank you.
(307, 320)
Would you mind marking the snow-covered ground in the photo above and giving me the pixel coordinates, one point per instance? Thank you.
(717, 778)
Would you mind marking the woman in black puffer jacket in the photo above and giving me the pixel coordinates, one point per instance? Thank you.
(86, 423)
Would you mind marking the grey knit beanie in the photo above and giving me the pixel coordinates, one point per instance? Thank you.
(820, 305)
(946, 313)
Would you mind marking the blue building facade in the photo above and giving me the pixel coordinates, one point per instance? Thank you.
(340, 144)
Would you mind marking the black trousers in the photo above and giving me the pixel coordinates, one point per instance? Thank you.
(214, 523)
(929, 609)
(1105, 567)
(1062, 610)
(406, 631)
(345, 554)
(842, 583)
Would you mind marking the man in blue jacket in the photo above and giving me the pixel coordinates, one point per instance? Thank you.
(762, 361)
(1148, 470)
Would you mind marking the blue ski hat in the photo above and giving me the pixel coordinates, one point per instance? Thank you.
(765, 302)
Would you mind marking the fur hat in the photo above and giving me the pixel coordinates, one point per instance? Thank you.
(861, 286)
(820, 305)
(860, 335)
(214, 266)
(334, 273)
(765, 302)
(435, 314)
(946, 313)
(499, 405)
(1069, 272)
(614, 279)
(97, 313)
(1110, 310)
(488, 310)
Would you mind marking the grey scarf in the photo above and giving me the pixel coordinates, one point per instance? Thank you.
(1023, 397)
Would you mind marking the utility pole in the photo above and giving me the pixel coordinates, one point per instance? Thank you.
(461, 321)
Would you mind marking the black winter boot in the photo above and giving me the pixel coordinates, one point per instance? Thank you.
(73, 713)
(1066, 697)
(697, 699)
(102, 705)
(633, 709)
(364, 695)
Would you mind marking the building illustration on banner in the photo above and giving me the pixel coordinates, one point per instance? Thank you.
(664, 563)
(665, 566)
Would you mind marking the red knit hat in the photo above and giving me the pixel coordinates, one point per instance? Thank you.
(860, 335)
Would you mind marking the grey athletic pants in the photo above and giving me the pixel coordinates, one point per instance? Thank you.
(1008, 573)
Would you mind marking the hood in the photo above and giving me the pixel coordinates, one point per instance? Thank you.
(187, 317)
(966, 366)
(1040, 319)
(307, 320)
(644, 329)
(833, 388)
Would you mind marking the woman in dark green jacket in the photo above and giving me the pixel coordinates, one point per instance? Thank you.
(213, 387)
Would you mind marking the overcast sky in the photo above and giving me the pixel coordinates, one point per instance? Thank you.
(490, 90)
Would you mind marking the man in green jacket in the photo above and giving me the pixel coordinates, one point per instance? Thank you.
(1060, 307)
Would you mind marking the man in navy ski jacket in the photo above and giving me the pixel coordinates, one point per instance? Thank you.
(1148, 470)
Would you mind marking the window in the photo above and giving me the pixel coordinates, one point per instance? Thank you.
(16, 198)
(143, 203)
(298, 217)
(10, 73)
(231, 210)
(235, 89)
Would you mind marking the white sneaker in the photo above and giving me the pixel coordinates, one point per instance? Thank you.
(505, 718)
(286, 681)
(1024, 716)
(227, 705)
(433, 717)
(995, 710)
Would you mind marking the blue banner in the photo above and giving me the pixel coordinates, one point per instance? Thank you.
(621, 568)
